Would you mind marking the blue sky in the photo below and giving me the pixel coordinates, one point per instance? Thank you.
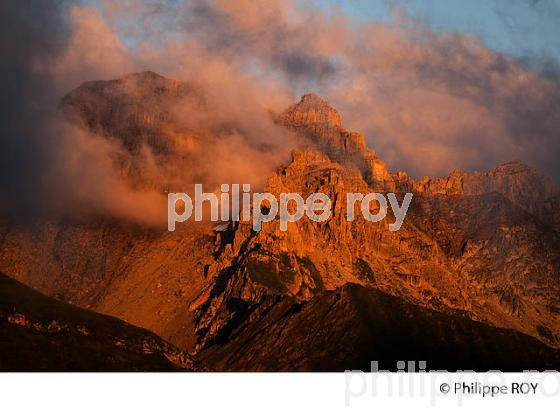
(521, 28)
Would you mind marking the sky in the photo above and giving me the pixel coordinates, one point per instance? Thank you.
(521, 28)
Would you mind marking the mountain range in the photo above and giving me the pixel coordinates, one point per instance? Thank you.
(470, 281)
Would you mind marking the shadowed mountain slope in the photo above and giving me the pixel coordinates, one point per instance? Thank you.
(348, 328)
(38, 333)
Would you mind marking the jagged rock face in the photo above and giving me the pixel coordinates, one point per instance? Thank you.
(145, 114)
(311, 257)
(482, 246)
(509, 259)
(481, 254)
(315, 115)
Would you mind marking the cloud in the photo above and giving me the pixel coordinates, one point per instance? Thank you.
(93, 51)
(427, 102)
(47, 166)
(442, 101)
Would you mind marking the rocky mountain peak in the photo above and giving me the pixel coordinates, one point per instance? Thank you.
(136, 108)
(321, 125)
(135, 87)
(312, 112)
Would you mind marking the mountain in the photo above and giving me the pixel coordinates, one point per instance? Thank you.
(478, 252)
(38, 333)
(482, 254)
